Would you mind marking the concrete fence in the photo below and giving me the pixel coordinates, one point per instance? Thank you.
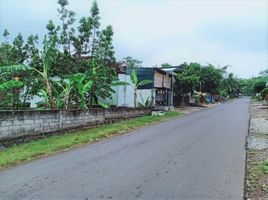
(20, 124)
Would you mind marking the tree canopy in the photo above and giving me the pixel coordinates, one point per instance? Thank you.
(66, 50)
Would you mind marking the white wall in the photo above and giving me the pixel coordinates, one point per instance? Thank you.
(144, 94)
(124, 95)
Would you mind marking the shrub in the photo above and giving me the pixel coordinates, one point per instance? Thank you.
(264, 93)
(259, 86)
(264, 165)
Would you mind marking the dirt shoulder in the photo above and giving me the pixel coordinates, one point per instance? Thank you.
(257, 153)
(191, 109)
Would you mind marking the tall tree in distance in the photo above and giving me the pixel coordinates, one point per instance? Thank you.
(166, 65)
(95, 24)
(67, 19)
(132, 63)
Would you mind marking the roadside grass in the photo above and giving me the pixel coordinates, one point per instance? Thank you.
(264, 167)
(257, 174)
(50, 145)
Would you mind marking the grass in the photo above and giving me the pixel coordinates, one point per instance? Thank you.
(264, 167)
(47, 146)
(257, 174)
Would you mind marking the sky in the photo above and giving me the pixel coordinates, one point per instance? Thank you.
(220, 32)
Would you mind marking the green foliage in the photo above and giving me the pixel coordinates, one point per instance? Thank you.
(144, 82)
(43, 94)
(6, 33)
(82, 87)
(12, 53)
(188, 77)
(230, 85)
(264, 167)
(134, 78)
(119, 83)
(132, 63)
(67, 19)
(9, 96)
(63, 95)
(10, 84)
(13, 69)
(223, 93)
(264, 93)
(145, 104)
(135, 84)
(166, 65)
(103, 105)
(253, 85)
(210, 78)
(264, 73)
(259, 86)
(67, 50)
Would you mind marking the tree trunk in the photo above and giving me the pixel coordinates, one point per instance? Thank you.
(50, 97)
(135, 97)
(91, 99)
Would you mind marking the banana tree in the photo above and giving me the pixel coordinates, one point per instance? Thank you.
(83, 87)
(136, 83)
(9, 94)
(63, 97)
(6, 85)
(48, 57)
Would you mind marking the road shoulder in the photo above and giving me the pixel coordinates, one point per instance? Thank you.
(256, 185)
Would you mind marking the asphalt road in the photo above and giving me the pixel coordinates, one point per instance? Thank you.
(198, 156)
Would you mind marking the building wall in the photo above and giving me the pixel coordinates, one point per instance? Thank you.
(158, 79)
(167, 82)
(124, 95)
(18, 123)
(144, 94)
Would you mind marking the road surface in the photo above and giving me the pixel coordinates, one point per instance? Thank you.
(198, 156)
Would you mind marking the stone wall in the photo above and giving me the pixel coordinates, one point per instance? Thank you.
(15, 124)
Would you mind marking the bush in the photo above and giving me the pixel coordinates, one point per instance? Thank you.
(264, 165)
(259, 86)
(264, 93)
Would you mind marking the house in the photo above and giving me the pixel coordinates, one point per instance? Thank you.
(124, 95)
(159, 91)
(179, 97)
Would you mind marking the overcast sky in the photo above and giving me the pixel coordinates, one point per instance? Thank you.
(220, 32)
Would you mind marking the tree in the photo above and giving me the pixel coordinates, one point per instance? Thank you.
(259, 85)
(230, 85)
(264, 93)
(210, 78)
(166, 65)
(95, 24)
(82, 87)
(264, 73)
(67, 50)
(11, 54)
(132, 63)
(67, 19)
(136, 83)
(9, 85)
(188, 77)
(18, 49)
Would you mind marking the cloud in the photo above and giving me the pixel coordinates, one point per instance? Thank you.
(220, 32)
